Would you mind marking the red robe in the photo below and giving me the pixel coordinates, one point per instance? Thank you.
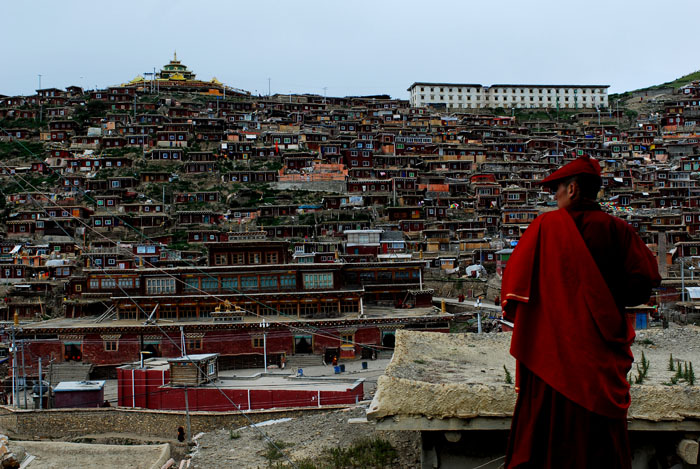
(566, 295)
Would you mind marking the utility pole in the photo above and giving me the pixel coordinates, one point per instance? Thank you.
(187, 414)
(268, 86)
(325, 88)
(41, 388)
(24, 376)
(682, 279)
(41, 106)
(13, 349)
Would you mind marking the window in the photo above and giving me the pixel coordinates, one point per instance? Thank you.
(111, 345)
(160, 285)
(191, 284)
(126, 283)
(210, 284)
(271, 258)
(237, 258)
(288, 281)
(254, 257)
(268, 282)
(94, 284)
(109, 283)
(347, 338)
(220, 259)
(193, 343)
(229, 284)
(258, 342)
(249, 283)
(316, 281)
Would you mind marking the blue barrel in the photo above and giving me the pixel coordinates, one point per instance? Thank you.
(364, 365)
(342, 368)
(336, 369)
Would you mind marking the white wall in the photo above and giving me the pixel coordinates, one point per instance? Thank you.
(458, 96)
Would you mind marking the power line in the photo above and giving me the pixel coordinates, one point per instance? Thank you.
(311, 329)
(190, 360)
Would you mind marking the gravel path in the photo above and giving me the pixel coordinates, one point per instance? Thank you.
(303, 438)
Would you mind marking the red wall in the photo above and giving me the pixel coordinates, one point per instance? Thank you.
(150, 394)
(72, 399)
(224, 342)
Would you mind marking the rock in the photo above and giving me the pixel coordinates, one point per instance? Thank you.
(10, 461)
(688, 451)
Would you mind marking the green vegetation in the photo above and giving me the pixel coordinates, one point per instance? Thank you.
(15, 149)
(509, 378)
(689, 374)
(233, 435)
(134, 153)
(93, 108)
(678, 82)
(274, 452)
(364, 453)
(675, 84)
(670, 363)
(21, 123)
(31, 182)
(643, 371)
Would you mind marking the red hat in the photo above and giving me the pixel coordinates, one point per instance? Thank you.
(581, 165)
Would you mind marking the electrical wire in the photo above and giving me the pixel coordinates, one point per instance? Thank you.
(182, 351)
(314, 331)
(177, 279)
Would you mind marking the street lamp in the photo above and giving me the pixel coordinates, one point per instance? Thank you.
(264, 325)
(142, 353)
(478, 314)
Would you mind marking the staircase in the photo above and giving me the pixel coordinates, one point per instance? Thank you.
(68, 371)
(303, 361)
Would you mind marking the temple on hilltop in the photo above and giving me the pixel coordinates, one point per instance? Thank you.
(176, 71)
(174, 76)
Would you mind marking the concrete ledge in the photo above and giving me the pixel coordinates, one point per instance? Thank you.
(458, 382)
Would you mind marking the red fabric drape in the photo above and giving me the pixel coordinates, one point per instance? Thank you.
(568, 329)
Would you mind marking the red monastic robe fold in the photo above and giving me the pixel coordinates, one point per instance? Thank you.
(568, 329)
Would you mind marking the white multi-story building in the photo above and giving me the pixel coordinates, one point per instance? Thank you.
(457, 96)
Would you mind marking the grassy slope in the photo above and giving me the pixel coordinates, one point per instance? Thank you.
(675, 84)
(678, 82)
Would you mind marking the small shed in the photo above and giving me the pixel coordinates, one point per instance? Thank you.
(194, 370)
(71, 394)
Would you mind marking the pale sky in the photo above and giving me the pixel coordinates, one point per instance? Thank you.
(355, 47)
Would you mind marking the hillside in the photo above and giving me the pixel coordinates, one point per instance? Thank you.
(656, 90)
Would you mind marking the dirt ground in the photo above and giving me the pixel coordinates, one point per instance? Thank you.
(301, 438)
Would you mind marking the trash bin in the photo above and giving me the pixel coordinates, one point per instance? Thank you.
(364, 365)
(337, 369)
(342, 368)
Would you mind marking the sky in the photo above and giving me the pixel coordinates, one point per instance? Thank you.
(352, 47)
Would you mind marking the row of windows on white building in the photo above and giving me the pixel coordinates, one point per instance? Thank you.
(465, 97)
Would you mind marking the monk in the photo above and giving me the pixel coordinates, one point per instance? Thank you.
(565, 288)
